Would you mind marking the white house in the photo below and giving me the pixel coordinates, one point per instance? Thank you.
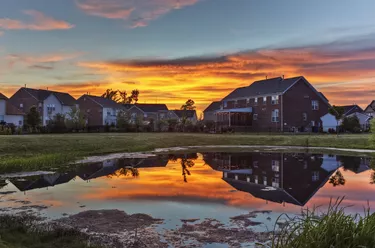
(329, 122)
(9, 113)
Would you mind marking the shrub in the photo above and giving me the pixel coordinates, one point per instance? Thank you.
(351, 124)
(372, 130)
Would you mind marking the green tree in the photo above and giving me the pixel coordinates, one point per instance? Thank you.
(33, 118)
(338, 112)
(372, 136)
(123, 120)
(75, 119)
(351, 124)
(57, 124)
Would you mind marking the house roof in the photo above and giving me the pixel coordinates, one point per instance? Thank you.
(185, 113)
(213, 106)
(41, 95)
(371, 106)
(3, 97)
(10, 109)
(264, 87)
(350, 109)
(104, 102)
(150, 108)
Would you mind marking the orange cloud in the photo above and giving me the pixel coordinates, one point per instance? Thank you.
(39, 22)
(139, 13)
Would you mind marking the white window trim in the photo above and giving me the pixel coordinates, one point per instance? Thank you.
(275, 117)
(275, 100)
(315, 104)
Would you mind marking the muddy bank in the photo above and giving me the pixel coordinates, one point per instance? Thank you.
(114, 228)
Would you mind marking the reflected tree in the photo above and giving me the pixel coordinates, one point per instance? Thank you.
(337, 179)
(186, 161)
(125, 172)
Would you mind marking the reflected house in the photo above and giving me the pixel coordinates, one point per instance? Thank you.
(355, 164)
(96, 170)
(290, 178)
(157, 161)
(42, 181)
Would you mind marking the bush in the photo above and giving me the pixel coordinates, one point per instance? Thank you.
(351, 124)
(372, 130)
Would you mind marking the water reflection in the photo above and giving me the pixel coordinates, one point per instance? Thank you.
(292, 178)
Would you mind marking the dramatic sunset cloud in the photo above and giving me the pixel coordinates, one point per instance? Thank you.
(39, 22)
(209, 78)
(137, 12)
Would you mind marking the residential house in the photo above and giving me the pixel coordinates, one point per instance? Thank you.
(9, 113)
(209, 112)
(364, 120)
(350, 109)
(49, 103)
(190, 115)
(99, 111)
(370, 109)
(329, 123)
(148, 112)
(281, 178)
(275, 104)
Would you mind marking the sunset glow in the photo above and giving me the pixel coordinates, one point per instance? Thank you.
(172, 50)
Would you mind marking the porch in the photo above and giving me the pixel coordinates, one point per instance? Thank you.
(236, 118)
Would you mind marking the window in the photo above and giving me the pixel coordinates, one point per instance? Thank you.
(315, 105)
(255, 164)
(264, 100)
(275, 165)
(255, 101)
(255, 117)
(247, 100)
(256, 179)
(225, 104)
(51, 108)
(313, 123)
(1, 117)
(275, 100)
(21, 105)
(276, 182)
(20, 123)
(265, 181)
(275, 115)
(315, 176)
(304, 116)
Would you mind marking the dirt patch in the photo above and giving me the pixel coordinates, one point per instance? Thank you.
(109, 221)
(211, 231)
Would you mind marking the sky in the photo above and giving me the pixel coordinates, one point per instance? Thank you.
(174, 50)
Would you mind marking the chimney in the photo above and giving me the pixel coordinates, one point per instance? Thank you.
(283, 77)
(266, 76)
(25, 85)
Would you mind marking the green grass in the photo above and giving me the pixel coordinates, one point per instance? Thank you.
(21, 232)
(334, 229)
(51, 150)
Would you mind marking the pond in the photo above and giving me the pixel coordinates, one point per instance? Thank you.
(187, 187)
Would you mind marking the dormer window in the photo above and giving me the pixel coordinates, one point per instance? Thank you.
(21, 105)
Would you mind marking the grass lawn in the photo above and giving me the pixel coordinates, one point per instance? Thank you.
(30, 152)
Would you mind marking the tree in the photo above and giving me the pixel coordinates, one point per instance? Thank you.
(33, 118)
(123, 120)
(189, 105)
(338, 113)
(125, 99)
(351, 124)
(111, 94)
(372, 130)
(134, 96)
(75, 119)
(57, 124)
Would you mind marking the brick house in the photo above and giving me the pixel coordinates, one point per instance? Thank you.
(370, 109)
(49, 103)
(209, 112)
(190, 115)
(276, 177)
(275, 104)
(149, 112)
(99, 111)
(9, 113)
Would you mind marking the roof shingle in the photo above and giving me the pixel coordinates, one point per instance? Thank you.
(263, 87)
(41, 95)
(151, 108)
(213, 106)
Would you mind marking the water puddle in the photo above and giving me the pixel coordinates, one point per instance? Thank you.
(209, 199)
